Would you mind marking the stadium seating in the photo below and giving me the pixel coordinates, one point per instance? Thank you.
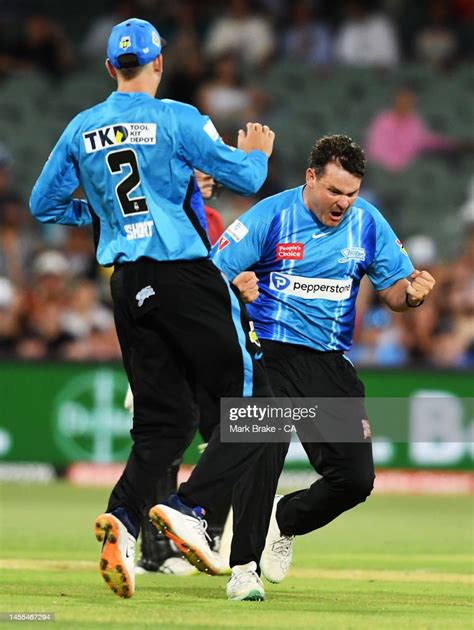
(305, 103)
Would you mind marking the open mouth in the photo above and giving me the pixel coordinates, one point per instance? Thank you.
(336, 215)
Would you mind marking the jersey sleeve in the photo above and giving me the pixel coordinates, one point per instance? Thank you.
(242, 243)
(203, 148)
(51, 199)
(391, 261)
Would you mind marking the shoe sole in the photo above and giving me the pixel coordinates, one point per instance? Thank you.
(269, 578)
(193, 555)
(111, 565)
(251, 596)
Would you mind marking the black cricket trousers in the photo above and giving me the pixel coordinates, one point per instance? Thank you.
(181, 328)
(345, 463)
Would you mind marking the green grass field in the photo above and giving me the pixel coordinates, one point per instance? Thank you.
(393, 562)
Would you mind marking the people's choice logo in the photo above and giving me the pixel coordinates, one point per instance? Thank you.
(311, 288)
(290, 251)
(90, 422)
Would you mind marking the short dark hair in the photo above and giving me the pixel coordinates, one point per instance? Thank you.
(129, 68)
(337, 148)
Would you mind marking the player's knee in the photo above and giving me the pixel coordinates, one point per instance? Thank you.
(360, 486)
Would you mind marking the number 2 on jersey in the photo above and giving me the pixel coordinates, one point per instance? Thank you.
(116, 161)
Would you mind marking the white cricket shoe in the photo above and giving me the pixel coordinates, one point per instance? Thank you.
(177, 566)
(117, 560)
(188, 532)
(245, 584)
(278, 552)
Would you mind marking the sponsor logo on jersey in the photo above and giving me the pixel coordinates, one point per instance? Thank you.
(143, 229)
(125, 42)
(311, 288)
(121, 133)
(401, 246)
(253, 335)
(211, 130)
(352, 253)
(290, 251)
(223, 242)
(366, 429)
(279, 282)
(144, 294)
(320, 235)
(237, 231)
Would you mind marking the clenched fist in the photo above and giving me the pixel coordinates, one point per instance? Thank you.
(247, 284)
(420, 287)
(256, 137)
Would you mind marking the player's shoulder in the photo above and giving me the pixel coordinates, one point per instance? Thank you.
(276, 204)
(369, 211)
(185, 111)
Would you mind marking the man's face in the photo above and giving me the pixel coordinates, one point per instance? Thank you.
(205, 183)
(331, 195)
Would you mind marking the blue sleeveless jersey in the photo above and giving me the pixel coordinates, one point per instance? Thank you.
(133, 156)
(309, 274)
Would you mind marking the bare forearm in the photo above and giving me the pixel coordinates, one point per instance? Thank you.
(405, 294)
(395, 297)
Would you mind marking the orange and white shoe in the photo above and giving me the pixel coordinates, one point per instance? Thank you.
(117, 560)
(187, 529)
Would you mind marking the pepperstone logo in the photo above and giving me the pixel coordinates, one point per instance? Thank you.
(279, 282)
(335, 289)
(90, 422)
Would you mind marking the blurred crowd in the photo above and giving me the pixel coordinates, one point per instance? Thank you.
(54, 299)
(353, 32)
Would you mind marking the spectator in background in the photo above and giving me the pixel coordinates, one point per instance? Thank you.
(84, 312)
(306, 40)
(379, 341)
(184, 62)
(49, 282)
(16, 239)
(95, 41)
(80, 252)
(185, 40)
(184, 82)
(366, 37)
(224, 97)
(463, 11)
(6, 162)
(43, 46)
(454, 343)
(437, 41)
(43, 335)
(90, 324)
(397, 136)
(9, 318)
(243, 32)
(420, 325)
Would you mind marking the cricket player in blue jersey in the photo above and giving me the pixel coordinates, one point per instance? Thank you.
(180, 324)
(298, 258)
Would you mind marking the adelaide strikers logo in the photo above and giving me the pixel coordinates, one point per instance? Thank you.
(90, 423)
(125, 42)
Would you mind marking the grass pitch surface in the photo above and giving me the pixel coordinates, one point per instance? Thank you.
(393, 562)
